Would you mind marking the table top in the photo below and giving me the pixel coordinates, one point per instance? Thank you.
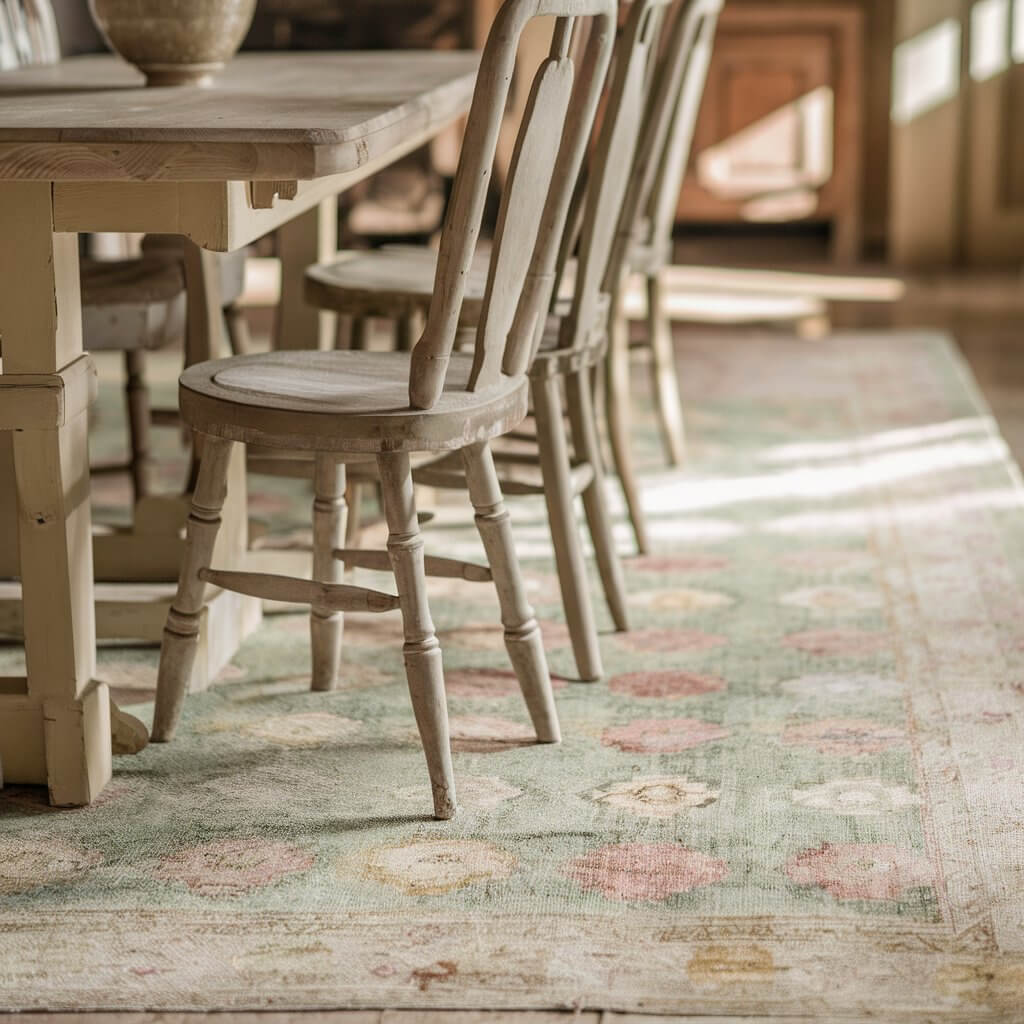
(296, 115)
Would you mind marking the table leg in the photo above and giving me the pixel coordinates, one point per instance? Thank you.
(309, 238)
(60, 711)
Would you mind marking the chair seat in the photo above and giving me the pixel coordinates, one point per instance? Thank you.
(132, 304)
(344, 401)
(392, 281)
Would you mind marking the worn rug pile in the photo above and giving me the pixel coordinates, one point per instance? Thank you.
(798, 789)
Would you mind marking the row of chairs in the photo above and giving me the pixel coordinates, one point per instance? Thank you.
(505, 337)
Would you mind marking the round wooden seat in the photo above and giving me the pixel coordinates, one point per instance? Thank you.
(346, 401)
(394, 281)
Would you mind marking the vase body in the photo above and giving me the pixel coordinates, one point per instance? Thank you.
(175, 42)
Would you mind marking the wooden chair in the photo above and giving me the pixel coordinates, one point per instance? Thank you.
(387, 405)
(396, 282)
(133, 306)
(139, 305)
(644, 242)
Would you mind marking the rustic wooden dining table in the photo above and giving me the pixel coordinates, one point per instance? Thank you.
(85, 148)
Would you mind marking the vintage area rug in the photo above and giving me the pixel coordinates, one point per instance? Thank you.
(798, 790)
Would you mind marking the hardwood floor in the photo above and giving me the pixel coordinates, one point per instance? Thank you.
(397, 1017)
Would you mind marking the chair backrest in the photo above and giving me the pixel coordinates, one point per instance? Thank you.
(535, 202)
(599, 199)
(30, 26)
(663, 152)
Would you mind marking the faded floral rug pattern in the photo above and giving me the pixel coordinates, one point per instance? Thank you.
(798, 790)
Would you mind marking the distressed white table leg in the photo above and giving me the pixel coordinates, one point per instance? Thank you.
(41, 327)
(310, 238)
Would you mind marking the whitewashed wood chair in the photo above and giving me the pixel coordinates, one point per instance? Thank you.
(396, 282)
(644, 241)
(387, 405)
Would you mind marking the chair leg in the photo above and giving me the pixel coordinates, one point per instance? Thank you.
(572, 573)
(405, 332)
(325, 626)
(354, 519)
(359, 333)
(181, 634)
(664, 380)
(617, 406)
(236, 328)
(522, 633)
(422, 652)
(579, 398)
(137, 401)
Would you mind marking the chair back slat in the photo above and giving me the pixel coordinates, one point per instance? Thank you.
(516, 234)
(19, 32)
(8, 52)
(28, 34)
(518, 218)
(698, 38)
(42, 30)
(560, 214)
(611, 164)
(677, 86)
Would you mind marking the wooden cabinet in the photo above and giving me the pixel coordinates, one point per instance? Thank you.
(780, 134)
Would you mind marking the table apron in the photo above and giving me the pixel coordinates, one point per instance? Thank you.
(217, 215)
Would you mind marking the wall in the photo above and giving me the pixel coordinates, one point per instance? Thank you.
(957, 155)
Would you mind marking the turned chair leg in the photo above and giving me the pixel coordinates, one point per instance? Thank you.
(181, 634)
(139, 420)
(617, 407)
(579, 398)
(558, 493)
(325, 626)
(522, 633)
(422, 652)
(664, 379)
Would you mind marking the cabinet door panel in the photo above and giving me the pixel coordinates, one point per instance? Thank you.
(779, 133)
